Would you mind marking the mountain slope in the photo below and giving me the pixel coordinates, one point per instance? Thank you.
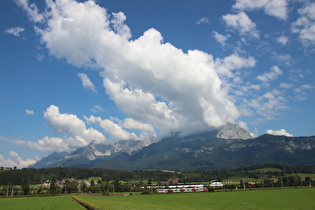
(202, 151)
(225, 153)
(232, 131)
(92, 154)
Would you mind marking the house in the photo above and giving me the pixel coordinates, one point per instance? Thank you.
(5, 169)
(216, 184)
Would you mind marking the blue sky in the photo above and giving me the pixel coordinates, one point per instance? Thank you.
(73, 72)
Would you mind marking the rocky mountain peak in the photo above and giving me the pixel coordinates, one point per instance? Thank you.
(232, 131)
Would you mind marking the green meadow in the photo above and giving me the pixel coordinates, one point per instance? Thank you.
(35, 203)
(300, 198)
(297, 198)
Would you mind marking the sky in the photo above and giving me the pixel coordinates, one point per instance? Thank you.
(74, 72)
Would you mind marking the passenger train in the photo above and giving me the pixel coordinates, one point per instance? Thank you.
(181, 188)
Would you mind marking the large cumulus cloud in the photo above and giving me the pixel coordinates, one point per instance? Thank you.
(151, 81)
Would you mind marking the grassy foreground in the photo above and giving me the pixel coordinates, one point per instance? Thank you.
(256, 199)
(35, 203)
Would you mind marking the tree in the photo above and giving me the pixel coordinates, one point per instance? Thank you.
(92, 186)
(308, 181)
(92, 183)
(73, 186)
(25, 188)
(53, 186)
(242, 183)
(117, 185)
(294, 180)
(83, 187)
(66, 185)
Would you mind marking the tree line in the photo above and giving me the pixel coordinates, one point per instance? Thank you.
(74, 179)
(36, 176)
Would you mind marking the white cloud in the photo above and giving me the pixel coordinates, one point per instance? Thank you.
(15, 31)
(203, 20)
(130, 123)
(16, 161)
(263, 107)
(269, 76)
(303, 88)
(31, 10)
(305, 25)
(144, 106)
(283, 40)
(301, 92)
(13, 154)
(242, 23)
(286, 85)
(151, 81)
(50, 144)
(296, 75)
(232, 62)
(277, 8)
(112, 128)
(73, 133)
(119, 26)
(71, 125)
(280, 132)
(86, 82)
(97, 108)
(29, 112)
(271, 104)
(220, 38)
(243, 125)
(285, 59)
(40, 57)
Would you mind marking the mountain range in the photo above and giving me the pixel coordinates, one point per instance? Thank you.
(226, 148)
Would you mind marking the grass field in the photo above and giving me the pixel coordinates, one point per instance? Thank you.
(304, 175)
(257, 199)
(35, 203)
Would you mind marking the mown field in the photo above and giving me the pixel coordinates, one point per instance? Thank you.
(36, 203)
(300, 198)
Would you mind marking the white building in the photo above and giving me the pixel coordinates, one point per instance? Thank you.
(216, 184)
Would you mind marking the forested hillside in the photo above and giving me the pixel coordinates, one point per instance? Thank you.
(36, 176)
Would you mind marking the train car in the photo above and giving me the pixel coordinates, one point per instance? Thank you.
(183, 189)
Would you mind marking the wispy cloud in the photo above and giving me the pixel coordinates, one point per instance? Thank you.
(283, 40)
(220, 38)
(31, 9)
(304, 26)
(241, 23)
(97, 108)
(303, 87)
(15, 31)
(280, 58)
(203, 20)
(269, 76)
(277, 8)
(29, 112)
(280, 132)
(86, 82)
(16, 161)
(232, 62)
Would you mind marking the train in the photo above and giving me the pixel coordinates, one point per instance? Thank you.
(181, 189)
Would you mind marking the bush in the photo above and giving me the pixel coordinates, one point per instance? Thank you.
(210, 189)
(105, 193)
(145, 192)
